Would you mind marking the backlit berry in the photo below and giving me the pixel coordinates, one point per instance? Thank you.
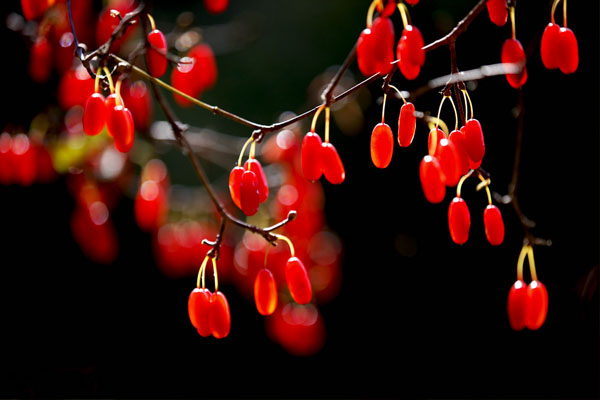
(433, 140)
(219, 318)
(448, 158)
(494, 225)
(513, 53)
(569, 51)
(265, 292)
(497, 11)
(474, 143)
(550, 48)
(382, 145)
(252, 164)
(216, 6)
(235, 185)
(333, 168)
(297, 281)
(375, 47)
(407, 123)
(249, 196)
(120, 123)
(432, 182)
(156, 53)
(410, 52)
(94, 115)
(458, 139)
(537, 305)
(517, 305)
(198, 310)
(311, 158)
(459, 220)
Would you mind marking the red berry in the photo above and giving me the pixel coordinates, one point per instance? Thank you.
(389, 8)
(249, 196)
(205, 66)
(311, 157)
(409, 71)
(333, 168)
(183, 78)
(297, 281)
(150, 206)
(494, 225)
(252, 164)
(550, 48)
(474, 143)
(432, 182)
(138, 100)
(410, 52)
(407, 124)
(459, 220)
(433, 141)
(94, 115)
(382, 145)
(265, 292)
(107, 23)
(513, 53)
(216, 6)
(198, 309)
(458, 139)
(375, 47)
(448, 158)
(156, 53)
(219, 318)
(40, 60)
(568, 50)
(498, 11)
(235, 185)
(75, 87)
(537, 305)
(517, 305)
(120, 123)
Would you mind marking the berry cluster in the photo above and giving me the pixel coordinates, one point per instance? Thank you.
(559, 45)
(248, 185)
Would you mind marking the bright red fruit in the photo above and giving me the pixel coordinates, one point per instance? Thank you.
(297, 281)
(40, 60)
(432, 182)
(498, 11)
(459, 220)
(494, 225)
(108, 22)
(150, 206)
(537, 305)
(474, 143)
(235, 185)
(252, 164)
(94, 115)
(198, 310)
(156, 53)
(249, 196)
(382, 145)
(120, 123)
(550, 48)
(448, 158)
(194, 73)
(569, 51)
(311, 157)
(205, 67)
(33, 9)
(216, 6)
(183, 79)
(433, 141)
(517, 305)
(410, 52)
(333, 168)
(513, 53)
(265, 292)
(407, 124)
(137, 97)
(75, 87)
(458, 139)
(375, 47)
(219, 318)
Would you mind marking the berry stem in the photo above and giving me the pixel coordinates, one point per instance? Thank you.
(399, 92)
(455, 113)
(200, 278)
(251, 139)
(371, 11)
(565, 13)
(521, 260)
(152, 23)
(404, 14)
(97, 83)
(110, 81)
(485, 183)
(288, 241)
(470, 102)
(531, 263)
(383, 108)
(313, 124)
(460, 183)
(327, 117)
(215, 275)
(553, 10)
(512, 21)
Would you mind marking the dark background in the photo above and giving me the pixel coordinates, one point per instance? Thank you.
(416, 316)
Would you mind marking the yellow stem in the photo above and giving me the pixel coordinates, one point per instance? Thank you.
(251, 139)
(110, 81)
(118, 92)
(404, 14)
(462, 180)
(531, 264)
(455, 114)
(314, 120)
(524, 251)
(289, 242)
(327, 119)
(565, 13)
(215, 275)
(553, 10)
(97, 82)
(252, 150)
(200, 279)
(399, 92)
(485, 183)
(512, 21)
(470, 103)
(370, 12)
(440, 111)
(152, 24)
(383, 108)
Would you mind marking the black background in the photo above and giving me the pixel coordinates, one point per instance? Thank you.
(429, 325)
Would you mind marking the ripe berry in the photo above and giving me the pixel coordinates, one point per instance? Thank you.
(120, 123)
(459, 220)
(550, 48)
(219, 318)
(235, 185)
(75, 87)
(494, 225)
(265, 292)
(299, 329)
(297, 281)
(156, 53)
(513, 53)
(252, 164)
(150, 206)
(517, 305)
(311, 157)
(382, 145)
(198, 310)
(410, 52)
(183, 79)
(569, 51)
(458, 139)
(215, 6)
(537, 305)
(137, 97)
(40, 60)
(375, 47)
(474, 142)
(333, 168)
(448, 158)
(498, 11)
(249, 196)
(94, 115)
(432, 182)
(407, 124)
(433, 140)
(205, 66)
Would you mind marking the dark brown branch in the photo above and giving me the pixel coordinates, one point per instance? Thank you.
(327, 94)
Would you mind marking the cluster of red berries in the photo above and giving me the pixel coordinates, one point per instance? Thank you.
(459, 222)
(559, 45)
(248, 185)
(375, 46)
(24, 161)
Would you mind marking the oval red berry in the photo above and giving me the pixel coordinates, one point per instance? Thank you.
(156, 54)
(459, 220)
(407, 124)
(265, 292)
(252, 164)
(537, 305)
(249, 197)
(219, 318)
(198, 310)
(430, 174)
(382, 145)
(494, 225)
(311, 158)
(94, 115)
(517, 305)
(235, 185)
(333, 168)
(297, 281)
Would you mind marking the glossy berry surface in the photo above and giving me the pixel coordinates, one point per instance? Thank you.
(249, 196)
(375, 47)
(382, 145)
(219, 318)
(494, 225)
(550, 47)
(297, 281)
(458, 139)
(156, 59)
(410, 52)
(265, 292)
(94, 115)
(517, 305)
(120, 123)
(474, 142)
(459, 220)
(569, 51)
(498, 11)
(448, 158)
(537, 305)
(252, 164)
(311, 158)
(432, 182)
(407, 124)
(333, 168)
(198, 310)
(433, 141)
(235, 185)
(513, 53)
